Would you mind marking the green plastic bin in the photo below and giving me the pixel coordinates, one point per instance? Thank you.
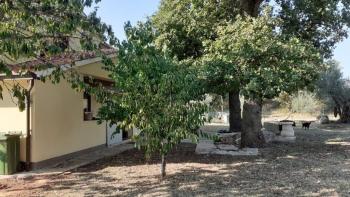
(9, 153)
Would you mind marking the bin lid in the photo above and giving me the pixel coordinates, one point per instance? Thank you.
(5, 135)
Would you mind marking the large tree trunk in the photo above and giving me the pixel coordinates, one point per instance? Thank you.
(163, 166)
(251, 124)
(235, 118)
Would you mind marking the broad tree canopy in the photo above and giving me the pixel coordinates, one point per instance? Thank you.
(261, 59)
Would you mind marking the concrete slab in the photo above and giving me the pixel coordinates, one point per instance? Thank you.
(208, 147)
(72, 163)
(284, 139)
(240, 152)
(205, 147)
(227, 147)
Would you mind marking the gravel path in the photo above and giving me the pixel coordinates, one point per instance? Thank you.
(318, 164)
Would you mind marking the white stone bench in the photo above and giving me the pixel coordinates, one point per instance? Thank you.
(282, 131)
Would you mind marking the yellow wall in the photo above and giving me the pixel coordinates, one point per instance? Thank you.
(11, 118)
(57, 118)
(58, 122)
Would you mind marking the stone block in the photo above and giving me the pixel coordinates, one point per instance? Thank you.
(227, 147)
(285, 135)
(205, 147)
(272, 127)
(208, 147)
(268, 135)
(284, 139)
(323, 119)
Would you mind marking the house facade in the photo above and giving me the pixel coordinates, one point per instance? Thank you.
(54, 124)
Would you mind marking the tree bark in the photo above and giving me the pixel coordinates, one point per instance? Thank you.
(345, 114)
(235, 118)
(251, 124)
(163, 166)
(342, 108)
(250, 7)
(251, 135)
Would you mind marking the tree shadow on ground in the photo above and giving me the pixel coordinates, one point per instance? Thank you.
(310, 166)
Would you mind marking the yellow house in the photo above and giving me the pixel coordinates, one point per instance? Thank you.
(54, 124)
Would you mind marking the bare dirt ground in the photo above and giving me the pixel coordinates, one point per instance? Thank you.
(318, 164)
(279, 115)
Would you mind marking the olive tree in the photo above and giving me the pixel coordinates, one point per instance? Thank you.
(154, 93)
(334, 89)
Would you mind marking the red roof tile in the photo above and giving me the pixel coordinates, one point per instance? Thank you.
(60, 60)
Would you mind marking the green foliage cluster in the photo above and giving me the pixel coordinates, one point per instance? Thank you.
(332, 84)
(187, 27)
(184, 25)
(257, 58)
(323, 23)
(40, 29)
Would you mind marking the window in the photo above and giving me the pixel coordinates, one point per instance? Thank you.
(93, 82)
(87, 102)
(88, 115)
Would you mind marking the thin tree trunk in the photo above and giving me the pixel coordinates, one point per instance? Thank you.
(251, 135)
(235, 118)
(163, 166)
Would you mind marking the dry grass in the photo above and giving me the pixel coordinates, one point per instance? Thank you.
(283, 114)
(318, 164)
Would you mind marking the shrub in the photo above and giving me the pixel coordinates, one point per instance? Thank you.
(305, 102)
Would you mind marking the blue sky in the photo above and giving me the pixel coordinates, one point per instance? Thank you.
(342, 54)
(117, 12)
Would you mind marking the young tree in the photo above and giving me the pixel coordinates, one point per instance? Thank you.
(41, 29)
(335, 90)
(155, 94)
(265, 64)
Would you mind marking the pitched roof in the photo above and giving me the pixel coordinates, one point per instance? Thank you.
(67, 58)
